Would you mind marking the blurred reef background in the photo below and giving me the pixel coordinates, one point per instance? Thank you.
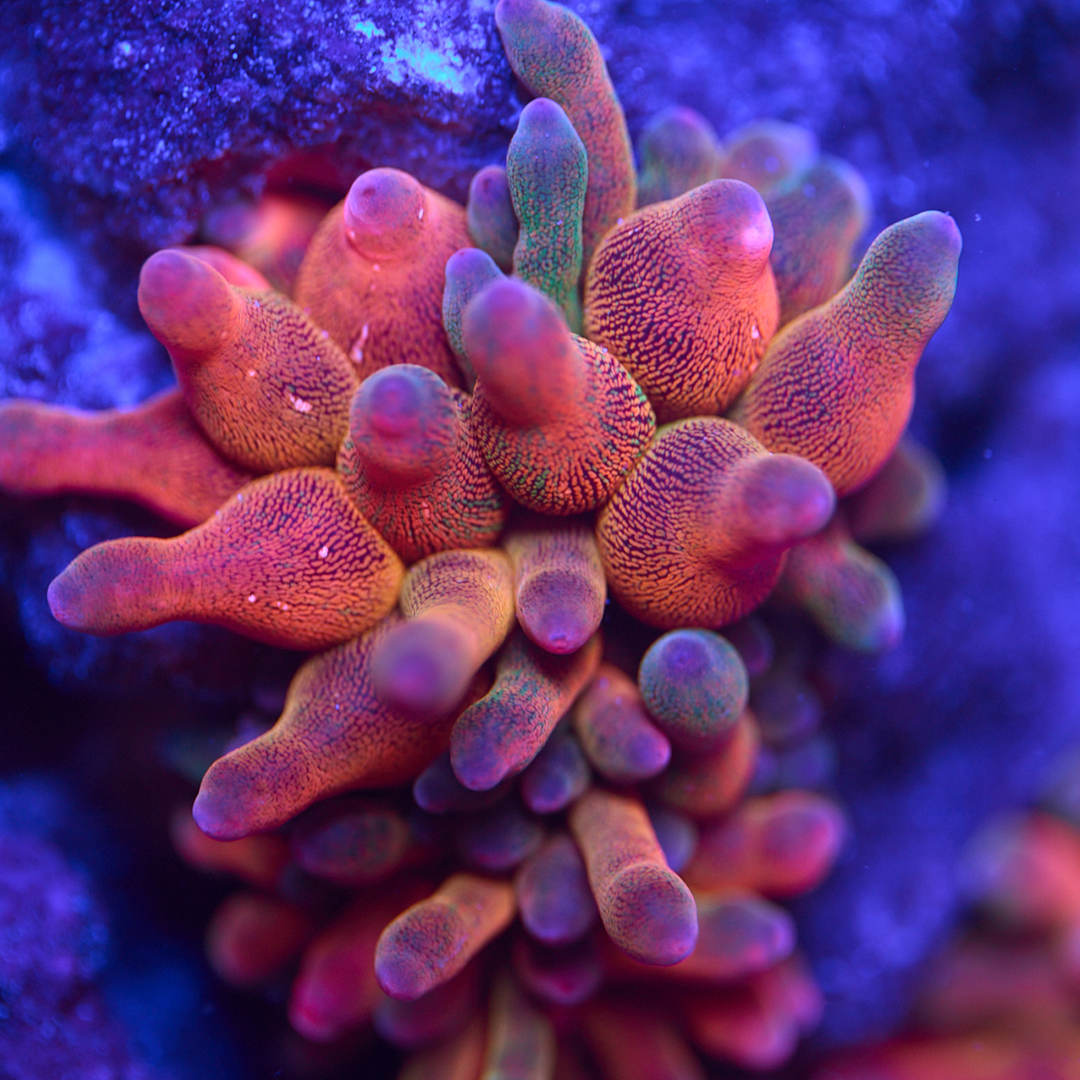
(123, 126)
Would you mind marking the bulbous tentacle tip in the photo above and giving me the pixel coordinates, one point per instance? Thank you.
(811, 831)
(738, 220)
(756, 933)
(472, 264)
(784, 498)
(559, 611)
(620, 740)
(936, 233)
(851, 594)
(648, 754)
(510, 14)
(676, 130)
(421, 667)
(401, 970)
(912, 254)
(653, 916)
(543, 117)
(99, 592)
(695, 686)
(766, 152)
(504, 315)
(187, 304)
(393, 402)
(404, 421)
(559, 631)
(521, 350)
(469, 270)
(384, 212)
(679, 151)
(489, 183)
(885, 629)
(476, 763)
(67, 601)
(219, 809)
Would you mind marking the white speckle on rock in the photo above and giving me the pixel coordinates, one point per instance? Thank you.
(368, 29)
(410, 59)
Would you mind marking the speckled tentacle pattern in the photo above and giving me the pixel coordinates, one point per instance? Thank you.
(695, 686)
(696, 534)
(645, 907)
(334, 734)
(459, 607)
(739, 934)
(559, 421)
(373, 275)
(431, 942)
(266, 386)
(616, 733)
(837, 384)
(499, 735)
(556, 56)
(683, 295)
(155, 455)
(413, 464)
(442, 737)
(558, 580)
(288, 560)
(547, 171)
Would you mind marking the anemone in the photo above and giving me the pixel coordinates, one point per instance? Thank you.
(428, 465)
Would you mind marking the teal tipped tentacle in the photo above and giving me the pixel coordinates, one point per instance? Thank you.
(548, 170)
(556, 56)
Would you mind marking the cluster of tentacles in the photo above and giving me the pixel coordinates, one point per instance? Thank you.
(427, 454)
(1002, 1002)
